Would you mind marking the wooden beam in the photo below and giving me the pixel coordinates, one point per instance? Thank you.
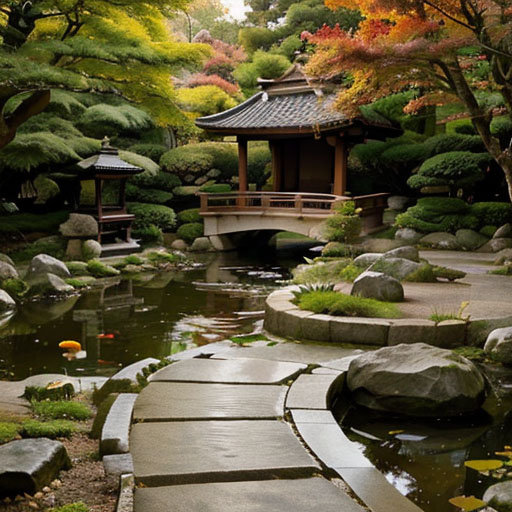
(242, 165)
(340, 168)
(277, 165)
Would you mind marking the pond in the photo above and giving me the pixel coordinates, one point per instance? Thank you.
(424, 458)
(220, 296)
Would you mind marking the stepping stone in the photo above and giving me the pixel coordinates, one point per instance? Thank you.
(303, 495)
(235, 371)
(178, 401)
(213, 451)
(30, 464)
(314, 391)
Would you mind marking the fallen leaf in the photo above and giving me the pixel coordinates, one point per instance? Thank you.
(484, 465)
(467, 503)
(504, 454)
(393, 432)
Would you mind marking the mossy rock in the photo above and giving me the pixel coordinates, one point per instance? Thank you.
(77, 268)
(185, 191)
(99, 269)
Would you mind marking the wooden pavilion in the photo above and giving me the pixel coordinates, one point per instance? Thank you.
(309, 140)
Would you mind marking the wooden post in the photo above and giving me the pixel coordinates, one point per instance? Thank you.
(277, 165)
(242, 170)
(340, 168)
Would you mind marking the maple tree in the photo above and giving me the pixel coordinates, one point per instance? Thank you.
(122, 48)
(446, 49)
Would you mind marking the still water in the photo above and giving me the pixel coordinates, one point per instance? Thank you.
(123, 321)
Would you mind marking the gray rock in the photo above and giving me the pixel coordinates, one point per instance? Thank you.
(179, 245)
(499, 345)
(499, 496)
(201, 180)
(6, 301)
(496, 245)
(367, 259)
(503, 257)
(504, 231)
(118, 464)
(398, 203)
(214, 173)
(116, 429)
(470, 240)
(29, 464)
(202, 244)
(376, 285)
(7, 271)
(45, 264)
(408, 235)
(79, 225)
(416, 380)
(6, 259)
(399, 268)
(48, 284)
(441, 241)
(407, 252)
(74, 249)
(91, 249)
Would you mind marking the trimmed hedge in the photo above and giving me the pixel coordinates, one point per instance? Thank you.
(445, 143)
(152, 151)
(189, 232)
(190, 215)
(150, 234)
(160, 180)
(148, 214)
(492, 213)
(147, 195)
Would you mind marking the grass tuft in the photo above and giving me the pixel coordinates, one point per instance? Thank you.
(62, 410)
(51, 429)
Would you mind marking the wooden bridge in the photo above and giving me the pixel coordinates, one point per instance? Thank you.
(298, 212)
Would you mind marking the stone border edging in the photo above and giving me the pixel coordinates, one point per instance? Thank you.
(116, 429)
(285, 319)
(325, 438)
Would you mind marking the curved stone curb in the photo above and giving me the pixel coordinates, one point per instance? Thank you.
(126, 488)
(322, 434)
(285, 319)
(130, 372)
(116, 430)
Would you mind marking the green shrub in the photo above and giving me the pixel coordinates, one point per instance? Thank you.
(38, 393)
(143, 162)
(407, 155)
(101, 415)
(201, 158)
(152, 151)
(189, 232)
(345, 225)
(502, 127)
(462, 126)
(446, 223)
(456, 169)
(149, 234)
(33, 222)
(190, 215)
(321, 272)
(339, 304)
(160, 180)
(62, 410)
(205, 99)
(51, 429)
(79, 506)
(99, 269)
(16, 288)
(8, 431)
(445, 143)
(492, 213)
(147, 214)
(112, 386)
(216, 188)
(488, 231)
(147, 195)
(54, 246)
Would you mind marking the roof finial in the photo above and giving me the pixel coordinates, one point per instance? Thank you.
(105, 143)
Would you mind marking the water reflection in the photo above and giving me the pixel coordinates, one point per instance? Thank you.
(152, 315)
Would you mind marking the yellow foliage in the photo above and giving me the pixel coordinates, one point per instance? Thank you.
(467, 503)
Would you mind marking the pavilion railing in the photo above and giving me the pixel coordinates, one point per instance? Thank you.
(297, 203)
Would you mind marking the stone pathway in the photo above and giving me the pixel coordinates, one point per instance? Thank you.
(248, 429)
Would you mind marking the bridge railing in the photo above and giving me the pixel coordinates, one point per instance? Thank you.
(283, 202)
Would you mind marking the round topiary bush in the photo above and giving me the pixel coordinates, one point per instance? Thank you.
(492, 213)
(160, 180)
(156, 214)
(190, 215)
(153, 151)
(445, 143)
(216, 188)
(149, 234)
(189, 232)
(147, 195)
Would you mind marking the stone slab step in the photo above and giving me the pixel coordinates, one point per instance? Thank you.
(303, 495)
(179, 401)
(234, 371)
(217, 451)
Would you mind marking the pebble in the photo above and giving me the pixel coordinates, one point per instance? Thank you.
(46, 489)
(56, 484)
(39, 495)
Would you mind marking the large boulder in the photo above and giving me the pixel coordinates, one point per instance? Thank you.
(399, 268)
(470, 240)
(441, 240)
(499, 496)
(29, 464)
(367, 259)
(408, 235)
(376, 285)
(43, 264)
(6, 259)
(504, 231)
(48, 284)
(79, 225)
(202, 244)
(503, 257)
(6, 301)
(7, 271)
(416, 380)
(499, 345)
(496, 245)
(91, 249)
(407, 252)
(398, 203)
